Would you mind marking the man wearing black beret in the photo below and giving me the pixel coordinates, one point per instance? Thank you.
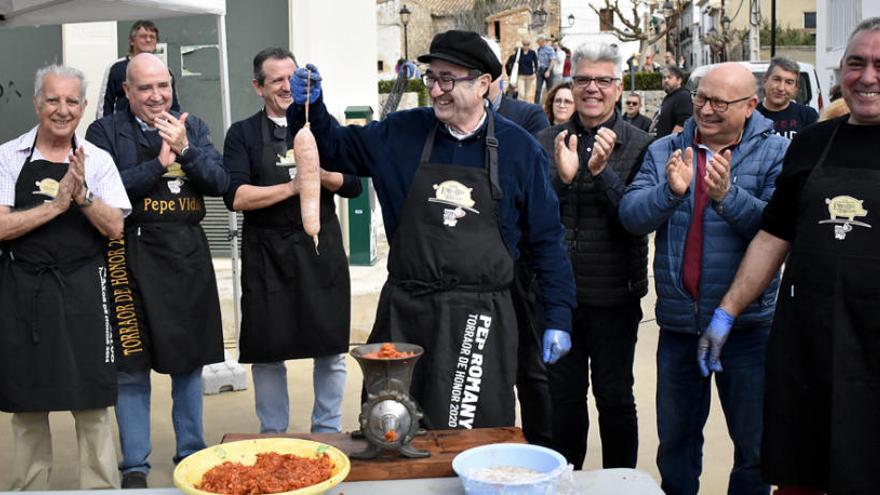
(459, 187)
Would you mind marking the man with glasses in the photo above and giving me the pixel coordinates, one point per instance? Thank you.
(703, 191)
(285, 314)
(459, 188)
(632, 114)
(676, 106)
(142, 38)
(594, 155)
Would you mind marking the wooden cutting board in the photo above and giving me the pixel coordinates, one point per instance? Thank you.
(443, 445)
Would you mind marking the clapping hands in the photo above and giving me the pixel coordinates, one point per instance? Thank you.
(679, 172)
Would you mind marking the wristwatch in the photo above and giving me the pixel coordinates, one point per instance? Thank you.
(183, 151)
(88, 199)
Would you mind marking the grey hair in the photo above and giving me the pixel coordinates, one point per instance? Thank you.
(869, 24)
(597, 52)
(61, 71)
(785, 63)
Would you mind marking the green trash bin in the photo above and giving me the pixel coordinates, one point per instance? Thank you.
(362, 233)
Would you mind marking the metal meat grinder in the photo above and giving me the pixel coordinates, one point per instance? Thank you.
(389, 418)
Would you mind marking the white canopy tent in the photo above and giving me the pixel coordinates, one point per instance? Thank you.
(20, 13)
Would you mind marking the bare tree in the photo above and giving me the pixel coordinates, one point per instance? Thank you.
(474, 19)
(633, 25)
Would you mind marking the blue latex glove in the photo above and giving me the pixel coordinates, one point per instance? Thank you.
(712, 340)
(557, 343)
(299, 83)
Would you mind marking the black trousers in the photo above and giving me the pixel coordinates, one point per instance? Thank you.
(532, 382)
(603, 342)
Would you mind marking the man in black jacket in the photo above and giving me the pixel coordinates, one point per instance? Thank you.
(676, 107)
(300, 308)
(167, 315)
(593, 157)
(632, 114)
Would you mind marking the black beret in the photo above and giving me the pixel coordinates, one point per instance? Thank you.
(464, 48)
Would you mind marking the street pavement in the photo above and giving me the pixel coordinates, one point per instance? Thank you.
(229, 412)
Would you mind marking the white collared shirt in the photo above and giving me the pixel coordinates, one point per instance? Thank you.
(462, 136)
(102, 176)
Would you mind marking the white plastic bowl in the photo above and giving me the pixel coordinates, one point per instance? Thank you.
(549, 463)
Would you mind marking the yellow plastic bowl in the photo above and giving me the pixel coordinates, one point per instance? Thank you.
(189, 472)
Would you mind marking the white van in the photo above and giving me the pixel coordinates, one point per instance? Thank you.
(808, 92)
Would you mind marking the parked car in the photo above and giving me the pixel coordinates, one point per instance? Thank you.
(809, 92)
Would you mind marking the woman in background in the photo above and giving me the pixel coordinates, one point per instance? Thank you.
(559, 104)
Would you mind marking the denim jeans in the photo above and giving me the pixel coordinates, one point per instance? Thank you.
(603, 342)
(683, 398)
(273, 404)
(133, 417)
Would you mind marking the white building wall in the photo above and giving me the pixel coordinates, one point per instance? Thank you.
(91, 48)
(835, 20)
(388, 35)
(340, 39)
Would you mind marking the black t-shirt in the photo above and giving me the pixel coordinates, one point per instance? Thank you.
(853, 147)
(675, 109)
(791, 119)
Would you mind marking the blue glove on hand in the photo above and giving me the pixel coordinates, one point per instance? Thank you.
(300, 81)
(557, 343)
(712, 340)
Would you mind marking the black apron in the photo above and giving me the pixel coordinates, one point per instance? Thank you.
(295, 303)
(449, 291)
(822, 396)
(56, 347)
(166, 309)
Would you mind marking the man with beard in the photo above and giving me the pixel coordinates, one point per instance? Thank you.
(676, 106)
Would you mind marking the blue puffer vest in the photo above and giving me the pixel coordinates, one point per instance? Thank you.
(728, 227)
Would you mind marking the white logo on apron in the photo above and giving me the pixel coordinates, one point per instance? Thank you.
(47, 187)
(174, 185)
(453, 193)
(842, 211)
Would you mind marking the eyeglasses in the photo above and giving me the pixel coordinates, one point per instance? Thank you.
(562, 102)
(601, 82)
(632, 103)
(717, 104)
(446, 82)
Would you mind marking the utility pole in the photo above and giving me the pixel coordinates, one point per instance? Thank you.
(772, 28)
(754, 31)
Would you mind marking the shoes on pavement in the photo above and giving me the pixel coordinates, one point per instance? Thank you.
(134, 479)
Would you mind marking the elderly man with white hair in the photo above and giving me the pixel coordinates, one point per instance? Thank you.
(60, 198)
(703, 190)
(593, 156)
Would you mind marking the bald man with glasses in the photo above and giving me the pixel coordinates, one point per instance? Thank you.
(703, 191)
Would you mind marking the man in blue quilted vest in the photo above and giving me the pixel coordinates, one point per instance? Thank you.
(703, 191)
